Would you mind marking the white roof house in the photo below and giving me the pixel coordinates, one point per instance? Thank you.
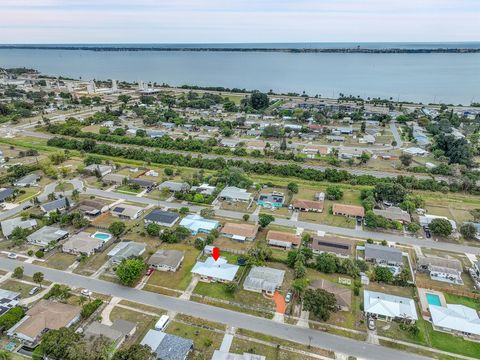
(456, 318)
(233, 193)
(197, 224)
(212, 270)
(264, 279)
(426, 219)
(388, 306)
(415, 151)
(9, 225)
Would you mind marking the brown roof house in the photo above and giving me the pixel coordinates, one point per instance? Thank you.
(307, 205)
(239, 232)
(43, 316)
(283, 239)
(394, 213)
(348, 210)
(332, 245)
(343, 295)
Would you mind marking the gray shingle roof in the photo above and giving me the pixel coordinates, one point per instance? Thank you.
(6, 193)
(171, 258)
(163, 217)
(54, 205)
(385, 253)
(264, 278)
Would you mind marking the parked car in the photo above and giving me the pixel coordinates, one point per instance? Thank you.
(371, 323)
(12, 255)
(33, 290)
(288, 297)
(86, 292)
(149, 271)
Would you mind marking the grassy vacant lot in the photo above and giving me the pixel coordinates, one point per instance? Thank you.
(144, 322)
(240, 346)
(94, 262)
(17, 286)
(29, 192)
(205, 341)
(182, 277)
(60, 261)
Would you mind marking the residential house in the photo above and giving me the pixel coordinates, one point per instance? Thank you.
(234, 194)
(11, 224)
(415, 151)
(114, 179)
(319, 196)
(127, 212)
(91, 208)
(82, 244)
(161, 217)
(343, 295)
(256, 145)
(312, 150)
(348, 210)
(28, 180)
(116, 333)
(47, 235)
(174, 186)
(99, 169)
(215, 271)
(166, 260)
(239, 232)
(197, 224)
(125, 250)
(264, 279)
(441, 269)
(308, 205)
(8, 300)
(367, 139)
(166, 346)
(144, 184)
(60, 205)
(426, 219)
(6, 194)
(336, 138)
(456, 319)
(230, 143)
(45, 315)
(332, 245)
(351, 153)
(151, 173)
(274, 199)
(204, 189)
(383, 255)
(388, 307)
(394, 213)
(283, 239)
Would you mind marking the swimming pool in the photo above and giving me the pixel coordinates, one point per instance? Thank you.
(102, 236)
(433, 299)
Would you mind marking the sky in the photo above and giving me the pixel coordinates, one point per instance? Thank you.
(237, 21)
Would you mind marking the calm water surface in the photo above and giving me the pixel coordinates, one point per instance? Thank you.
(451, 78)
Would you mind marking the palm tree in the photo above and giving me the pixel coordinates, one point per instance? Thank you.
(5, 355)
(38, 278)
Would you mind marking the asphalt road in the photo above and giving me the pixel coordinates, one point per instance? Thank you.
(319, 339)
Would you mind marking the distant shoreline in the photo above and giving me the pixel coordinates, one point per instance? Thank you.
(357, 50)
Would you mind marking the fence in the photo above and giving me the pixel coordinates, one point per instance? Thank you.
(428, 285)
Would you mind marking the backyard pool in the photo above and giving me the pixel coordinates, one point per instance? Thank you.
(102, 236)
(433, 299)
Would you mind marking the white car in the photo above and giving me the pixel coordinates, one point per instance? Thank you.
(86, 292)
(12, 256)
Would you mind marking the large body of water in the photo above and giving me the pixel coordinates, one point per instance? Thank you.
(427, 77)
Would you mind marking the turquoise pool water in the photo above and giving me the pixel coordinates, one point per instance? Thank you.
(433, 299)
(102, 236)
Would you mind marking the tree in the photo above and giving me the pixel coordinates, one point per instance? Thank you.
(38, 278)
(199, 243)
(320, 302)
(183, 210)
(299, 286)
(299, 269)
(168, 171)
(5, 355)
(258, 100)
(153, 229)
(124, 98)
(390, 192)
(468, 231)
(382, 274)
(364, 157)
(327, 263)
(64, 344)
(293, 187)
(18, 272)
(265, 219)
(246, 217)
(75, 194)
(406, 159)
(130, 270)
(135, 352)
(207, 213)
(333, 192)
(441, 227)
(117, 228)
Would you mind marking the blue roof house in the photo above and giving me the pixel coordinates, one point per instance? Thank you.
(197, 224)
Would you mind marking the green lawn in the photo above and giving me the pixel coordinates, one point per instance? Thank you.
(205, 341)
(60, 261)
(17, 286)
(144, 322)
(462, 300)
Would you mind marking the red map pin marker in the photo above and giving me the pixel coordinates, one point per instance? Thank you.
(215, 253)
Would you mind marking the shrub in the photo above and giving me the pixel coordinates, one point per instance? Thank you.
(39, 254)
(11, 317)
(89, 308)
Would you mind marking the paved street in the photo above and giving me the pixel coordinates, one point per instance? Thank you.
(323, 340)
